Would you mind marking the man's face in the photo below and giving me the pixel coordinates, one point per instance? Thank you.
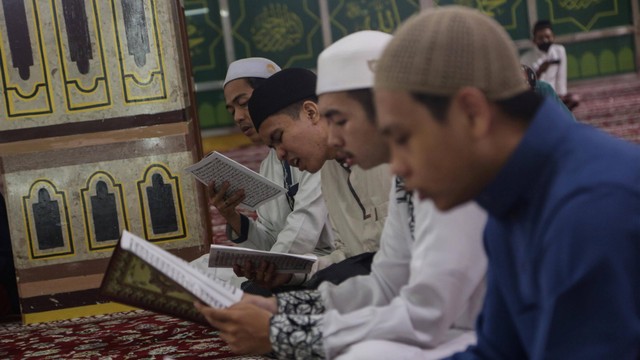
(351, 132)
(236, 96)
(302, 142)
(543, 36)
(431, 155)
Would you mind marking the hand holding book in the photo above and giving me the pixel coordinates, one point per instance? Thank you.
(217, 168)
(144, 275)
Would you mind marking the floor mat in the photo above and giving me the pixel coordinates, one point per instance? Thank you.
(129, 335)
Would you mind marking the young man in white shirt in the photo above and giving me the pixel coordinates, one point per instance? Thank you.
(549, 61)
(296, 223)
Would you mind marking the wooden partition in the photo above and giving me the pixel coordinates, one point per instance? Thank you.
(96, 127)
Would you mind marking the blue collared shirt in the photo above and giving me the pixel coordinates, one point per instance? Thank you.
(563, 242)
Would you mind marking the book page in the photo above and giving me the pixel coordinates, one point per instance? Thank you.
(214, 293)
(227, 256)
(219, 168)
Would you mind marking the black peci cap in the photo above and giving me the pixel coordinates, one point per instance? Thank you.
(282, 89)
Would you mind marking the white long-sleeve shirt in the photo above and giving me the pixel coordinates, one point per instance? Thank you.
(556, 74)
(357, 201)
(420, 286)
(305, 228)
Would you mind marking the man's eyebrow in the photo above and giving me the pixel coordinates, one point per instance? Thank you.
(330, 113)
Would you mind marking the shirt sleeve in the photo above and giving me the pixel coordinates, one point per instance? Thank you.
(296, 329)
(296, 336)
(414, 305)
(300, 302)
(307, 220)
(589, 281)
(530, 59)
(561, 77)
(304, 225)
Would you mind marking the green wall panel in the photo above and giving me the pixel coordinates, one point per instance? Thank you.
(349, 16)
(571, 16)
(206, 45)
(287, 32)
(211, 110)
(601, 57)
(511, 14)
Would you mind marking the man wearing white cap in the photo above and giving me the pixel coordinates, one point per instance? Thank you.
(427, 277)
(563, 234)
(426, 282)
(297, 223)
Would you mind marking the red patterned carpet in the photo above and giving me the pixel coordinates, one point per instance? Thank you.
(130, 335)
(612, 105)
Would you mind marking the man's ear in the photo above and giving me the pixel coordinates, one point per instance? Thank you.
(477, 109)
(310, 111)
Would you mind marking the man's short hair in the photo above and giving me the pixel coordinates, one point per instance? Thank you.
(541, 25)
(293, 110)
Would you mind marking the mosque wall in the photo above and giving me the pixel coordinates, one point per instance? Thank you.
(599, 36)
(97, 124)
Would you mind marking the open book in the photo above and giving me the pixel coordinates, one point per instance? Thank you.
(144, 275)
(219, 168)
(227, 256)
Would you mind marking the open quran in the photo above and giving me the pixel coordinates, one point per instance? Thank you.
(144, 275)
(218, 168)
(226, 256)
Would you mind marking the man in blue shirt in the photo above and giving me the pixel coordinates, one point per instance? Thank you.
(563, 237)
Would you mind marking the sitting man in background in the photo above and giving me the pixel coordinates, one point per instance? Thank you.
(296, 223)
(549, 61)
(542, 88)
(427, 280)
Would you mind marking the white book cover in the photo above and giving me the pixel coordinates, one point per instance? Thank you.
(219, 168)
(213, 292)
(227, 256)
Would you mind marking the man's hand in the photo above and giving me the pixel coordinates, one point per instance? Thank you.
(226, 207)
(545, 66)
(245, 327)
(264, 276)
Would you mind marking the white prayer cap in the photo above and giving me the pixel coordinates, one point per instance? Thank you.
(251, 67)
(348, 63)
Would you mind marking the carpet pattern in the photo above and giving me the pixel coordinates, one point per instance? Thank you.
(129, 335)
(611, 105)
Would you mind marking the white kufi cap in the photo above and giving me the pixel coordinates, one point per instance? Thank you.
(251, 67)
(348, 64)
